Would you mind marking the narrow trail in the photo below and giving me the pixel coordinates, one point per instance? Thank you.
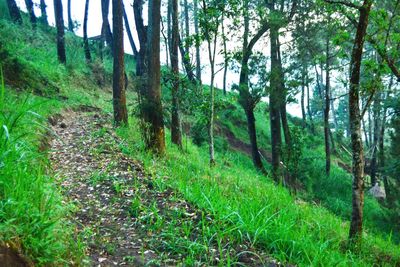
(126, 217)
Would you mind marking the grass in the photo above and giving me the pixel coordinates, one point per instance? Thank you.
(257, 210)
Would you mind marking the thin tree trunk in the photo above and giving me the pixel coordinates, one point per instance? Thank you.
(106, 30)
(365, 130)
(375, 141)
(169, 29)
(58, 14)
(176, 136)
(309, 105)
(130, 37)
(14, 11)
(225, 53)
(274, 107)
(88, 57)
(303, 110)
(197, 42)
(70, 22)
(156, 122)
(187, 29)
(356, 225)
(31, 12)
(326, 112)
(335, 122)
(43, 12)
(186, 63)
(119, 98)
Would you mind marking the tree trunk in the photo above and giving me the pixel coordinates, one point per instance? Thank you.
(14, 11)
(326, 112)
(356, 224)
(130, 37)
(58, 14)
(88, 57)
(176, 136)
(365, 130)
(274, 107)
(105, 29)
(119, 98)
(375, 141)
(70, 22)
(197, 42)
(156, 123)
(309, 105)
(31, 12)
(43, 17)
(187, 29)
(186, 63)
(251, 127)
(225, 52)
(303, 110)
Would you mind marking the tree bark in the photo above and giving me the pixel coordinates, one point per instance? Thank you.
(326, 111)
(225, 53)
(375, 141)
(197, 44)
(105, 29)
(119, 98)
(43, 11)
(70, 22)
(31, 12)
(274, 107)
(14, 11)
(88, 56)
(155, 115)
(58, 14)
(356, 224)
(176, 136)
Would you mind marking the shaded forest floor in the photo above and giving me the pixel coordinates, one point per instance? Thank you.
(125, 216)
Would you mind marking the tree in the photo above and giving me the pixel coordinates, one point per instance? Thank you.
(31, 12)
(14, 11)
(43, 17)
(106, 29)
(58, 14)
(130, 37)
(154, 110)
(85, 36)
(176, 135)
(70, 22)
(119, 98)
(197, 40)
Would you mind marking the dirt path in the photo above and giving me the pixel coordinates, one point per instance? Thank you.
(128, 218)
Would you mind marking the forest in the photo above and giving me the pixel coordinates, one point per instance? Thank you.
(199, 133)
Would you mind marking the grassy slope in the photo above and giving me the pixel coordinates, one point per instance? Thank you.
(255, 208)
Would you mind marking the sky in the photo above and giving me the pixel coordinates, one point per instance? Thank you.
(94, 29)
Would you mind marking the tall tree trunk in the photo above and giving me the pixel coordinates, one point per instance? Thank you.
(43, 17)
(156, 123)
(375, 141)
(31, 12)
(70, 22)
(119, 98)
(130, 37)
(187, 29)
(197, 43)
(326, 111)
(356, 224)
(88, 57)
(58, 14)
(365, 130)
(309, 104)
(274, 107)
(225, 53)
(106, 29)
(335, 122)
(186, 63)
(169, 29)
(303, 84)
(14, 11)
(176, 136)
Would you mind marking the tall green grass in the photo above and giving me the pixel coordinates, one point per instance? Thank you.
(260, 212)
(32, 214)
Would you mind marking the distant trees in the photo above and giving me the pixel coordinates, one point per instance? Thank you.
(85, 36)
(31, 12)
(43, 11)
(58, 14)
(119, 98)
(70, 21)
(14, 11)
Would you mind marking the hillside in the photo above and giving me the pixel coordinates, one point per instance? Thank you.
(77, 191)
